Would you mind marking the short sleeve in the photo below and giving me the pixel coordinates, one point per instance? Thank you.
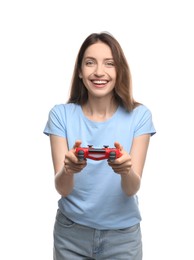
(144, 124)
(56, 122)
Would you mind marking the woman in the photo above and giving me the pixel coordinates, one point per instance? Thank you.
(98, 215)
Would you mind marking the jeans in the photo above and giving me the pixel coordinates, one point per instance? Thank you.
(77, 242)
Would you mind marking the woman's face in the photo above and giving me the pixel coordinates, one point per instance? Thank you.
(98, 70)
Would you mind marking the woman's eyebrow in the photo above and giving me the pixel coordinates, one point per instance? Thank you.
(89, 57)
(92, 58)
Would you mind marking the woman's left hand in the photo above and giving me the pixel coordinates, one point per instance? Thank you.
(123, 164)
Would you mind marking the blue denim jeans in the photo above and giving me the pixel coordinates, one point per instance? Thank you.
(78, 242)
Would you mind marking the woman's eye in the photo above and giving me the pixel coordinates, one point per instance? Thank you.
(110, 63)
(89, 63)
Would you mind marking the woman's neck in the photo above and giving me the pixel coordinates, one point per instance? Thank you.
(100, 109)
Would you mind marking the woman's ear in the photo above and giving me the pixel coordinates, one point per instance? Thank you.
(80, 74)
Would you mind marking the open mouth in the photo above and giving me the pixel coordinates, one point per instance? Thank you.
(99, 83)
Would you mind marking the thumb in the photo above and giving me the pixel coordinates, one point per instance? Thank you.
(118, 146)
(77, 144)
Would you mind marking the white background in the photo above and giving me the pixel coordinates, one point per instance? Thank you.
(38, 46)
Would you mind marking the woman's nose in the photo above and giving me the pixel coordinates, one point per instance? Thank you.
(99, 71)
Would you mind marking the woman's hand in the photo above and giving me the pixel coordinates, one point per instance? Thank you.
(71, 163)
(65, 167)
(123, 164)
(130, 181)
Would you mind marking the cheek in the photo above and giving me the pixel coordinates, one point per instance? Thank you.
(85, 82)
(112, 74)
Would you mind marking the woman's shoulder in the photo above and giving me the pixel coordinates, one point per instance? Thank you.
(141, 109)
(64, 107)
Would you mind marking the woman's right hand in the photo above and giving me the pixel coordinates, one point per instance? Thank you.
(71, 163)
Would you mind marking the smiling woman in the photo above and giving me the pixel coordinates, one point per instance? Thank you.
(98, 71)
(100, 111)
(113, 58)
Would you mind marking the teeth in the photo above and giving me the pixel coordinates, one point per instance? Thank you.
(99, 81)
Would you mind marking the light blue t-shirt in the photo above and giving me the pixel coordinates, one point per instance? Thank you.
(97, 199)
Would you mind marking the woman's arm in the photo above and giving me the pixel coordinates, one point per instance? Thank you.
(130, 166)
(65, 164)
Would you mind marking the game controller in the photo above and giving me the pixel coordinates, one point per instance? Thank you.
(98, 153)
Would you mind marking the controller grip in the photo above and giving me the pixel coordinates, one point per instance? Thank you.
(112, 156)
(80, 155)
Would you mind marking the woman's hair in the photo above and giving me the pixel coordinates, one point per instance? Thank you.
(123, 87)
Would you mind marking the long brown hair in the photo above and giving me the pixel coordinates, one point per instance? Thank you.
(123, 86)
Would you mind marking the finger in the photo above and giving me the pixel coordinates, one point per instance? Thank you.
(77, 144)
(118, 146)
(73, 165)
